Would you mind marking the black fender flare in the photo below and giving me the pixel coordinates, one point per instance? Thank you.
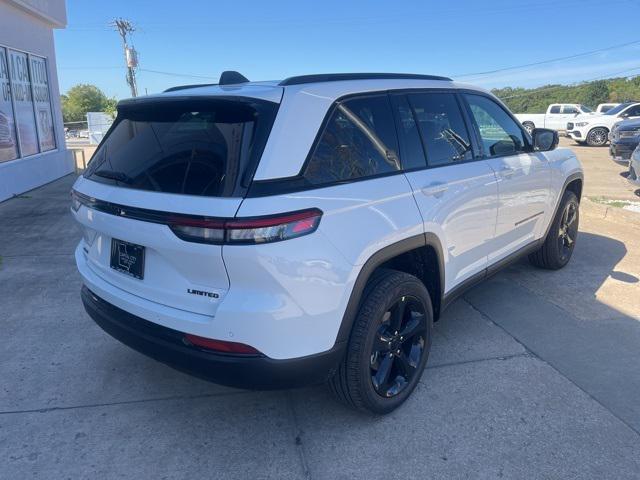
(381, 256)
(574, 176)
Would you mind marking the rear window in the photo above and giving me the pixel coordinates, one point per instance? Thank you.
(191, 147)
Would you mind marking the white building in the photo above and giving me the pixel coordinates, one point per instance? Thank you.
(32, 146)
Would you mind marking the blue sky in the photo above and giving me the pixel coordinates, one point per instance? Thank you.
(276, 38)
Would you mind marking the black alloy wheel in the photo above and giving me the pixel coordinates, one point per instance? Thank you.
(398, 346)
(568, 230)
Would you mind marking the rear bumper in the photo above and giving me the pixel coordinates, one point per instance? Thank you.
(166, 345)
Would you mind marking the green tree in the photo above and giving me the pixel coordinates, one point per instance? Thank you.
(84, 98)
(596, 92)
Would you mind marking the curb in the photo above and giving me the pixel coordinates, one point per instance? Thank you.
(590, 208)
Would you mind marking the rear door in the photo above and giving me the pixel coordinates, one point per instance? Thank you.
(524, 176)
(455, 191)
(152, 194)
(554, 118)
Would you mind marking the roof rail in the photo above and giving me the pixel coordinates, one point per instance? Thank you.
(336, 77)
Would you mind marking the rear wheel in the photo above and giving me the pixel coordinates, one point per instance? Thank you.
(561, 239)
(389, 345)
(597, 137)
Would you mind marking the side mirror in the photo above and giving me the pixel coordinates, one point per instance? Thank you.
(544, 139)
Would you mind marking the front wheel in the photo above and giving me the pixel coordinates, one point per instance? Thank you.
(389, 344)
(597, 137)
(558, 247)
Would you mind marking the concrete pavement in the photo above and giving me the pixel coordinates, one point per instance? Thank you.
(532, 375)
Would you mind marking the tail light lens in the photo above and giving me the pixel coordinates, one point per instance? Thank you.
(247, 231)
(220, 345)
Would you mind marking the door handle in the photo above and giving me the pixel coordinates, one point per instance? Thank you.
(507, 171)
(435, 189)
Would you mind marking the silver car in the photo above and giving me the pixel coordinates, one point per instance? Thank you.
(634, 167)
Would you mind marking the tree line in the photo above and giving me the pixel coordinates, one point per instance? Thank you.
(536, 100)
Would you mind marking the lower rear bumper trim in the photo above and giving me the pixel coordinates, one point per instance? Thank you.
(241, 371)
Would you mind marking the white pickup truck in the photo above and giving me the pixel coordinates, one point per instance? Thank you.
(556, 118)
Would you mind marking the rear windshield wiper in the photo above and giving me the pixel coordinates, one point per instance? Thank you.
(114, 175)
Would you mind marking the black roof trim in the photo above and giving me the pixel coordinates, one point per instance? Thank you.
(336, 77)
(185, 87)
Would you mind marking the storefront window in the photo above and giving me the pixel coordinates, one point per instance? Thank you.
(8, 143)
(23, 102)
(42, 102)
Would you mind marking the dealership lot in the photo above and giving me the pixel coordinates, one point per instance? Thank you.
(532, 374)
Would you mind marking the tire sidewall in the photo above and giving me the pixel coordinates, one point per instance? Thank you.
(559, 259)
(409, 287)
(590, 143)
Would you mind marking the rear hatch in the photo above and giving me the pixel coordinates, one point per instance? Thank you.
(166, 169)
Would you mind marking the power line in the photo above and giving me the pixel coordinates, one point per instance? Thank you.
(175, 74)
(569, 57)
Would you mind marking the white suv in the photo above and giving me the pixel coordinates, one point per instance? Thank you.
(273, 234)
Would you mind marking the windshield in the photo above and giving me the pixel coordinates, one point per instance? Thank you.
(585, 109)
(618, 109)
(192, 147)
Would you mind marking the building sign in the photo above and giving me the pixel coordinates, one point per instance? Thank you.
(42, 102)
(26, 112)
(23, 101)
(8, 143)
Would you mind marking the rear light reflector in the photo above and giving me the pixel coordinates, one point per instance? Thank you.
(220, 345)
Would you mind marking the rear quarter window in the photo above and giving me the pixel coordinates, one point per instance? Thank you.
(202, 148)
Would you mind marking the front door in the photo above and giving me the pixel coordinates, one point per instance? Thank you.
(524, 176)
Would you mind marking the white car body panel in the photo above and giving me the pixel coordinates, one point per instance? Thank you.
(459, 204)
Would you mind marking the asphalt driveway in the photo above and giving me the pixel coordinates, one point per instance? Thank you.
(532, 375)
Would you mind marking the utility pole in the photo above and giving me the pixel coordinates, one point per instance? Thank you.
(125, 27)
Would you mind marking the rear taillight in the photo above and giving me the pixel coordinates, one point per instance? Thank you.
(247, 231)
(210, 230)
(220, 346)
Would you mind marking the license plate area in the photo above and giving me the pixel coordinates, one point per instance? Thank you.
(127, 258)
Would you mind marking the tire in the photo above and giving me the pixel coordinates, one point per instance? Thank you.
(529, 126)
(558, 247)
(376, 347)
(597, 137)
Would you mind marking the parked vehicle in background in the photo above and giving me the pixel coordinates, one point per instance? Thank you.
(634, 167)
(624, 138)
(556, 118)
(605, 107)
(594, 129)
(311, 230)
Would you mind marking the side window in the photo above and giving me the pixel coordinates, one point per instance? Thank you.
(500, 134)
(359, 140)
(411, 150)
(633, 111)
(555, 109)
(441, 127)
(570, 109)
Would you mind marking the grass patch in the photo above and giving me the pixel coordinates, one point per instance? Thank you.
(612, 203)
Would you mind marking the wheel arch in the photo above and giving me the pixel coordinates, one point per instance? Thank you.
(574, 183)
(420, 255)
